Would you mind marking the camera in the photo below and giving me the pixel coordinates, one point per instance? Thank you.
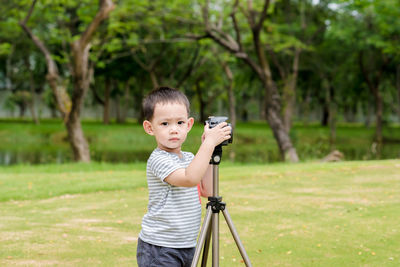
(214, 121)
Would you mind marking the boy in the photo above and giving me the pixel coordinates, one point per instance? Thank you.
(175, 180)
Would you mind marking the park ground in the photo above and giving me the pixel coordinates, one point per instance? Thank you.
(306, 214)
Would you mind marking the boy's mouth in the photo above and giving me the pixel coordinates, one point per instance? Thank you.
(174, 139)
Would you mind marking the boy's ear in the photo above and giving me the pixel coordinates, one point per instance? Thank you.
(148, 128)
(190, 123)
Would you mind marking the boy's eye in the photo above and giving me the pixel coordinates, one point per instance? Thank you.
(164, 123)
(181, 122)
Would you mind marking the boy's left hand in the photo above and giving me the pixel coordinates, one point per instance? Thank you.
(220, 132)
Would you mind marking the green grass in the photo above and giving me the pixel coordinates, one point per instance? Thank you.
(307, 214)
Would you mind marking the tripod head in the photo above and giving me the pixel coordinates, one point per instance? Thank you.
(217, 154)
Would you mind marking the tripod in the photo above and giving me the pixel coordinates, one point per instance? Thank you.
(211, 222)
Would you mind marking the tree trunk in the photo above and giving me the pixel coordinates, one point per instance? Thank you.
(325, 101)
(273, 107)
(106, 110)
(398, 89)
(77, 140)
(325, 113)
(289, 101)
(332, 126)
(118, 108)
(332, 115)
(289, 92)
(82, 75)
(368, 112)
(379, 115)
(22, 109)
(373, 85)
(124, 103)
(274, 119)
(378, 120)
(154, 79)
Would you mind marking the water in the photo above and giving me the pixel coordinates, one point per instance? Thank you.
(64, 155)
(34, 157)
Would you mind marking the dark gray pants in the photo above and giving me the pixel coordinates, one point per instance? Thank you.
(149, 255)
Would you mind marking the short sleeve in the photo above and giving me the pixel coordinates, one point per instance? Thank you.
(163, 165)
(189, 156)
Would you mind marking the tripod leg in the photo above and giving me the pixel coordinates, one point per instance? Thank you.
(236, 237)
(215, 239)
(202, 236)
(206, 247)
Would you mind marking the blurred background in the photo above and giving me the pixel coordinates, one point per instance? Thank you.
(300, 80)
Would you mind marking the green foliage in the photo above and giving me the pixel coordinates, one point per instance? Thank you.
(5, 49)
(140, 34)
(283, 42)
(21, 97)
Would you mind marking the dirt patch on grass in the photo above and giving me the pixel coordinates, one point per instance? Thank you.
(66, 196)
(21, 235)
(306, 190)
(372, 167)
(21, 262)
(83, 220)
(95, 230)
(130, 239)
(102, 229)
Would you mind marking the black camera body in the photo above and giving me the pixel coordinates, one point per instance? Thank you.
(214, 121)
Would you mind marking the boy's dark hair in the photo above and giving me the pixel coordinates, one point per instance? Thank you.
(163, 95)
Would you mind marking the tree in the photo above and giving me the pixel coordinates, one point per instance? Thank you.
(21, 65)
(70, 106)
(372, 29)
(293, 28)
(236, 46)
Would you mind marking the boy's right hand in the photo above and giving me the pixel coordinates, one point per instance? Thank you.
(216, 135)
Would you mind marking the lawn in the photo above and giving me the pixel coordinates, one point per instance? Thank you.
(306, 214)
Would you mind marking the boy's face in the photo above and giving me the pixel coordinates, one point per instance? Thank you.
(170, 125)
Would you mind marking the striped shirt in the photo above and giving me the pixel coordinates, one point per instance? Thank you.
(174, 213)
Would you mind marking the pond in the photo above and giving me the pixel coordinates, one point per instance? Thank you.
(26, 143)
(243, 155)
(65, 155)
